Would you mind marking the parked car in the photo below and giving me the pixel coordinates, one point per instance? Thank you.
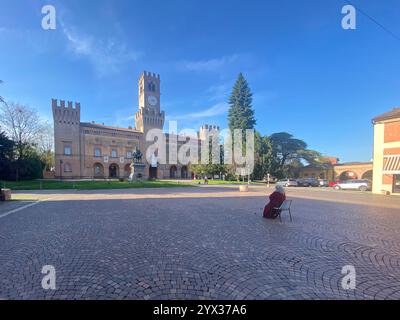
(362, 185)
(271, 179)
(323, 183)
(308, 182)
(287, 183)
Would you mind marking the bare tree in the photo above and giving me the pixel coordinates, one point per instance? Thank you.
(21, 123)
(45, 140)
(45, 145)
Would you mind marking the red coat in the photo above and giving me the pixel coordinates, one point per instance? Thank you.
(275, 201)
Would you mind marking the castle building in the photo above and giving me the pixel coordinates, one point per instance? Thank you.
(86, 150)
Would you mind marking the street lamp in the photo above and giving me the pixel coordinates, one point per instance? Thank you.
(61, 162)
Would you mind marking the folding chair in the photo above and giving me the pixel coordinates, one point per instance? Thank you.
(285, 206)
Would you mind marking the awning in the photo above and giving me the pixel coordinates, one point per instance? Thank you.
(391, 164)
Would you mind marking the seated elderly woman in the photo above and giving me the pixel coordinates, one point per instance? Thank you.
(275, 201)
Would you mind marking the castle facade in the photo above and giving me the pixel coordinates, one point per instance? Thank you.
(86, 150)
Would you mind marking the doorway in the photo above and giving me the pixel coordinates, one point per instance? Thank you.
(172, 172)
(113, 171)
(153, 172)
(184, 172)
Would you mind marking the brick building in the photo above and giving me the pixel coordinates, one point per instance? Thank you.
(386, 178)
(90, 150)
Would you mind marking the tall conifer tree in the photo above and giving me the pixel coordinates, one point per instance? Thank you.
(241, 114)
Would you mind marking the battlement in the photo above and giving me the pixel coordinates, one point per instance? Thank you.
(208, 127)
(207, 131)
(150, 75)
(67, 113)
(61, 104)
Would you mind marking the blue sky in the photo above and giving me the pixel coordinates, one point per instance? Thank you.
(309, 77)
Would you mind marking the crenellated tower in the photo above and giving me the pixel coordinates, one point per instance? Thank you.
(207, 131)
(67, 138)
(149, 115)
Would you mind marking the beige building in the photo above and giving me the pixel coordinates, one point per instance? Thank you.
(334, 171)
(353, 170)
(386, 177)
(93, 151)
(324, 171)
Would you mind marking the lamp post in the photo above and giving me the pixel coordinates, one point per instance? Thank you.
(61, 162)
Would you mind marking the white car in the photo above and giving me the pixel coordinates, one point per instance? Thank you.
(362, 185)
(288, 183)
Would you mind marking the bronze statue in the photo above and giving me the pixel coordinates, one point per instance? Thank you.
(137, 155)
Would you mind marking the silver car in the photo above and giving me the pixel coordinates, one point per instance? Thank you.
(362, 185)
(287, 183)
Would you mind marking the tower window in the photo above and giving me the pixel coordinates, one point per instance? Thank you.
(151, 86)
(67, 150)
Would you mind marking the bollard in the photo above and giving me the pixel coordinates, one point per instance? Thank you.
(5, 195)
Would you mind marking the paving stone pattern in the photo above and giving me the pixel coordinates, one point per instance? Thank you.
(199, 248)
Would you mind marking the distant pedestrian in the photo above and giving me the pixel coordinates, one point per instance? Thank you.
(275, 201)
(205, 180)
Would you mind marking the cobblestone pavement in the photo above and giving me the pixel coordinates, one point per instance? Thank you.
(202, 243)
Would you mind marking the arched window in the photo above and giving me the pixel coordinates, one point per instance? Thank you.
(98, 170)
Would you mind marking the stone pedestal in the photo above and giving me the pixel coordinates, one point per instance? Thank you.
(137, 171)
(5, 195)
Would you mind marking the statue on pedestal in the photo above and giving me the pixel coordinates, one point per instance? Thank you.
(136, 163)
(137, 155)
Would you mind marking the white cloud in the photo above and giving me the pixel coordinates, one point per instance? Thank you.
(106, 55)
(220, 92)
(208, 65)
(216, 110)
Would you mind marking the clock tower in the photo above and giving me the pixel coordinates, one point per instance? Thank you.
(149, 115)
